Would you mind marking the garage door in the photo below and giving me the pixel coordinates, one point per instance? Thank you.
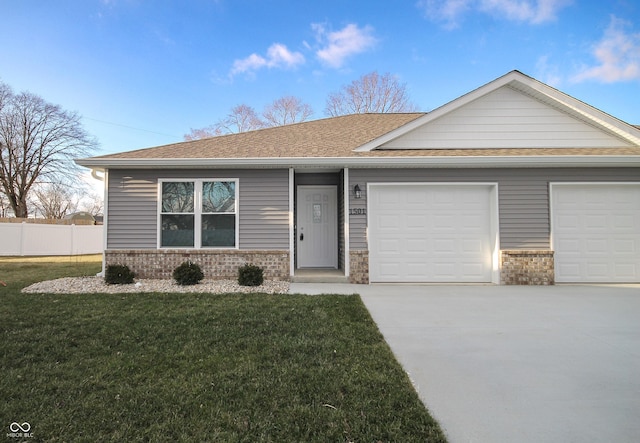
(431, 232)
(596, 232)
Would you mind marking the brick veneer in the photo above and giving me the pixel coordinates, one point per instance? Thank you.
(217, 265)
(359, 267)
(518, 267)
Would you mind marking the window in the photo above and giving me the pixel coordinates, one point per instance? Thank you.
(198, 213)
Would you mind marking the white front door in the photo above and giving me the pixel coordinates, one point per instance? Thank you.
(317, 233)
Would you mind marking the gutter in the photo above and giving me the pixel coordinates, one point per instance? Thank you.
(555, 161)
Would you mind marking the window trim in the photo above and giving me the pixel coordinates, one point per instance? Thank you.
(198, 213)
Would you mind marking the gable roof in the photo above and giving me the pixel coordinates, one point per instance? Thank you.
(380, 140)
(558, 106)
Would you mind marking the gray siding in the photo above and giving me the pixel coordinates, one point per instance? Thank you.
(523, 196)
(263, 201)
(132, 206)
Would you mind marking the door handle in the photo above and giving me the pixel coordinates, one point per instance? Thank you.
(301, 236)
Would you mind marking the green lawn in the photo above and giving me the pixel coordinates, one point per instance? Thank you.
(197, 367)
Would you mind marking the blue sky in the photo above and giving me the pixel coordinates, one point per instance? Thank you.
(143, 73)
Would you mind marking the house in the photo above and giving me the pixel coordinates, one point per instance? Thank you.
(512, 183)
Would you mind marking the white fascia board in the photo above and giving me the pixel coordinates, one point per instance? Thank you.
(371, 162)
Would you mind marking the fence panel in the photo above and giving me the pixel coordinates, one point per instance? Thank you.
(41, 239)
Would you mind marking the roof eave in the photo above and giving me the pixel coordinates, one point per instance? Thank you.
(533, 161)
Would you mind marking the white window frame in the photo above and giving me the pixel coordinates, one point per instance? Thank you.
(197, 202)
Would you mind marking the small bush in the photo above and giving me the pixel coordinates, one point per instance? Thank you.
(250, 275)
(118, 275)
(188, 273)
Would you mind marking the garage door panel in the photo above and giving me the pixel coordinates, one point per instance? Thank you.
(473, 246)
(596, 232)
(625, 223)
(443, 232)
(625, 271)
(416, 221)
(596, 246)
(444, 272)
(568, 221)
(418, 246)
(472, 269)
(443, 246)
(625, 246)
(596, 223)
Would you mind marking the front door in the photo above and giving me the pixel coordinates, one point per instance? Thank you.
(317, 233)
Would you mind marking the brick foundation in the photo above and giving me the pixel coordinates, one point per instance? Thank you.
(359, 267)
(526, 267)
(216, 264)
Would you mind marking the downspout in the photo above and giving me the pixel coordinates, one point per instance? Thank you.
(105, 179)
(346, 186)
(292, 234)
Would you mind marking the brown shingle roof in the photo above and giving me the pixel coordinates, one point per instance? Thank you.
(330, 137)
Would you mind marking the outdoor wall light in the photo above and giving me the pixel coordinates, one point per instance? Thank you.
(357, 191)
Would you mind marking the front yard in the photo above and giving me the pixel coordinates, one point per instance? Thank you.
(197, 367)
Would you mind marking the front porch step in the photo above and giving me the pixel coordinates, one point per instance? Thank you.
(319, 276)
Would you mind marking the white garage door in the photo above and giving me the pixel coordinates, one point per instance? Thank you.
(596, 232)
(431, 232)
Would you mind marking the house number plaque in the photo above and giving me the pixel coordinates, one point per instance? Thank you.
(357, 211)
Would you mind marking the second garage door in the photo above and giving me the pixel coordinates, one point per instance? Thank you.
(596, 232)
(432, 232)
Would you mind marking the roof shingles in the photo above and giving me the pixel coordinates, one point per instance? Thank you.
(331, 137)
(336, 137)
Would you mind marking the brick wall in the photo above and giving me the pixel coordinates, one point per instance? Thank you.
(526, 267)
(216, 265)
(359, 267)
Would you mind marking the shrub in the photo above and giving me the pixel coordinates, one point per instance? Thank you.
(188, 273)
(118, 275)
(250, 275)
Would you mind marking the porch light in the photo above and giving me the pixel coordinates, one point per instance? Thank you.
(357, 191)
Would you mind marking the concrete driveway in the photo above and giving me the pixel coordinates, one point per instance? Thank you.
(516, 364)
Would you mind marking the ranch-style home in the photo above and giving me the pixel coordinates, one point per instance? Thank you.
(512, 183)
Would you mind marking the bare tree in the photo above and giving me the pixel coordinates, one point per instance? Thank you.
(92, 203)
(54, 201)
(242, 118)
(38, 141)
(4, 205)
(370, 93)
(198, 134)
(286, 110)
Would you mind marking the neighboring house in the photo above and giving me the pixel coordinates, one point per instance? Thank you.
(512, 183)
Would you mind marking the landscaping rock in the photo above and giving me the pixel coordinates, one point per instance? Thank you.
(83, 285)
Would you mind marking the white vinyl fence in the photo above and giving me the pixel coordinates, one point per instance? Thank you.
(43, 239)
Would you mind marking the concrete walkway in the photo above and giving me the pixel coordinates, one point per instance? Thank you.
(516, 364)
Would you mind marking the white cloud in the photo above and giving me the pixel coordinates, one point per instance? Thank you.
(446, 11)
(278, 56)
(342, 44)
(450, 12)
(617, 53)
(335, 48)
(548, 73)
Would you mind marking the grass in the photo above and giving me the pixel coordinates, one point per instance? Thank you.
(198, 367)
